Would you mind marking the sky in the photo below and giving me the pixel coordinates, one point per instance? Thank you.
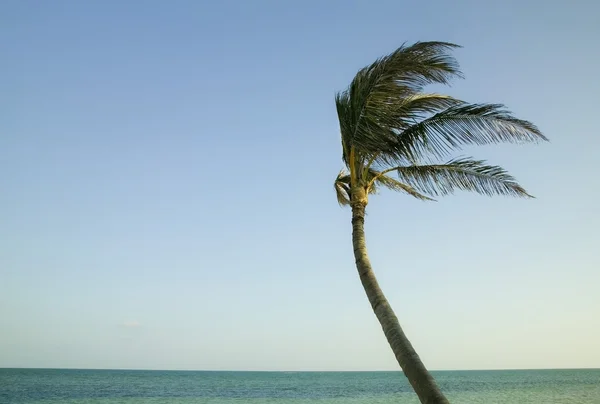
(166, 197)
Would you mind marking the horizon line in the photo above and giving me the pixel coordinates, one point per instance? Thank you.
(292, 371)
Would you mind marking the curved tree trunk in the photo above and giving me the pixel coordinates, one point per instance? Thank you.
(418, 376)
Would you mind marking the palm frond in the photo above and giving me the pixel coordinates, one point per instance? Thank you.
(388, 118)
(342, 188)
(407, 70)
(390, 79)
(342, 104)
(404, 113)
(461, 174)
(464, 124)
(396, 185)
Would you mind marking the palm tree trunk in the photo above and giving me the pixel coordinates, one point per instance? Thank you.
(418, 376)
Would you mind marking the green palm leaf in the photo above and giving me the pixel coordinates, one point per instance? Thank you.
(398, 186)
(464, 124)
(389, 80)
(461, 174)
(385, 119)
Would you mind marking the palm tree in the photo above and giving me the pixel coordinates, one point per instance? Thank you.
(390, 126)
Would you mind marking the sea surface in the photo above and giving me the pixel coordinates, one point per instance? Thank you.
(19, 386)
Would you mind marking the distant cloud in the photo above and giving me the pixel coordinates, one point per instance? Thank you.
(131, 324)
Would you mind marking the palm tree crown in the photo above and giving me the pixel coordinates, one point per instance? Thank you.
(390, 126)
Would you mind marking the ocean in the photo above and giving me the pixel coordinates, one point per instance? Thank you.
(20, 386)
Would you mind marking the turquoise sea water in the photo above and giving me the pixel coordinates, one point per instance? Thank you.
(19, 386)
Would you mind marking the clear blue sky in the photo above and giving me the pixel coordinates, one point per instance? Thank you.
(166, 195)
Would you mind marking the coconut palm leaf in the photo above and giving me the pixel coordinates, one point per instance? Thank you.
(395, 185)
(391, 117)
(392, 78)
(461, 174)
(459, 125)
(342, 188)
